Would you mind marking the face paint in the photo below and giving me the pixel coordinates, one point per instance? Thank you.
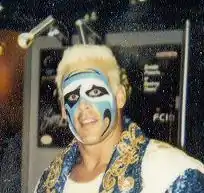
(90, 87)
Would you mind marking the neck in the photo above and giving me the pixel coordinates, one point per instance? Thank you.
(99, 155)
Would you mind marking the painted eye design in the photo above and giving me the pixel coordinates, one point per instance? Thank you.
(96, 91)
(73, 97)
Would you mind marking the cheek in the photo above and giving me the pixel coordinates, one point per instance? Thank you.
(104, 108)
(76, 122)
(107, 122)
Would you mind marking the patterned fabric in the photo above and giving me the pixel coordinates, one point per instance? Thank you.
(123, 172)
(192, 181)
(138, 165)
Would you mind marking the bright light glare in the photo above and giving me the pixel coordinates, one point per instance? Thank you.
(1, 7)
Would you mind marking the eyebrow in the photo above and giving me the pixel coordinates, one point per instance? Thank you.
(76, 72)
(77, 88)
(73, 91)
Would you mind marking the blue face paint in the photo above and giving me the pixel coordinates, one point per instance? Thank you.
(90, 87)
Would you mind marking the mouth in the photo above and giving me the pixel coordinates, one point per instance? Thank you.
(88, 121)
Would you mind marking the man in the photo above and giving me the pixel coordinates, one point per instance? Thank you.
(110, 152)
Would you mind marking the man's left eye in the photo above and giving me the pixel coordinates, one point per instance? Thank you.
(95, 92)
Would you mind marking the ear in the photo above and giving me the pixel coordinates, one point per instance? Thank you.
(121, 97)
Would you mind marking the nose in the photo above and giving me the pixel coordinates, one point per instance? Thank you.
(84, 105)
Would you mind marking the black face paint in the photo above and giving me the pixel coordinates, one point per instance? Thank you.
(69, 117)
(96, 91)
(107, 114)
(72, 97)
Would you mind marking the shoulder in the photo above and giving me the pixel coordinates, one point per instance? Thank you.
(51, 175)
(163, 163)
(165, 154)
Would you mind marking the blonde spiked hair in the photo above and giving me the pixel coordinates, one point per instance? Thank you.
(92, 56)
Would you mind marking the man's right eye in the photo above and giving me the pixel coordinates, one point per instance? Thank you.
(73, 97)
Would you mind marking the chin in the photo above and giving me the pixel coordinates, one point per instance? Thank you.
(91, 140)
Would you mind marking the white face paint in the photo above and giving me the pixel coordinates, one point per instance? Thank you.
(94, 86)
(91, 88)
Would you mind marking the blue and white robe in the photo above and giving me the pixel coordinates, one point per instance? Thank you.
(138, 165)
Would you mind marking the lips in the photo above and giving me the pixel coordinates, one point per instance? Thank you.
(86, 121)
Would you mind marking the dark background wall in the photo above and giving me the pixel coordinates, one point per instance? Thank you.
(120, 16)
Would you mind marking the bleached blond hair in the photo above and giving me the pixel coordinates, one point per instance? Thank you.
(100, 55)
